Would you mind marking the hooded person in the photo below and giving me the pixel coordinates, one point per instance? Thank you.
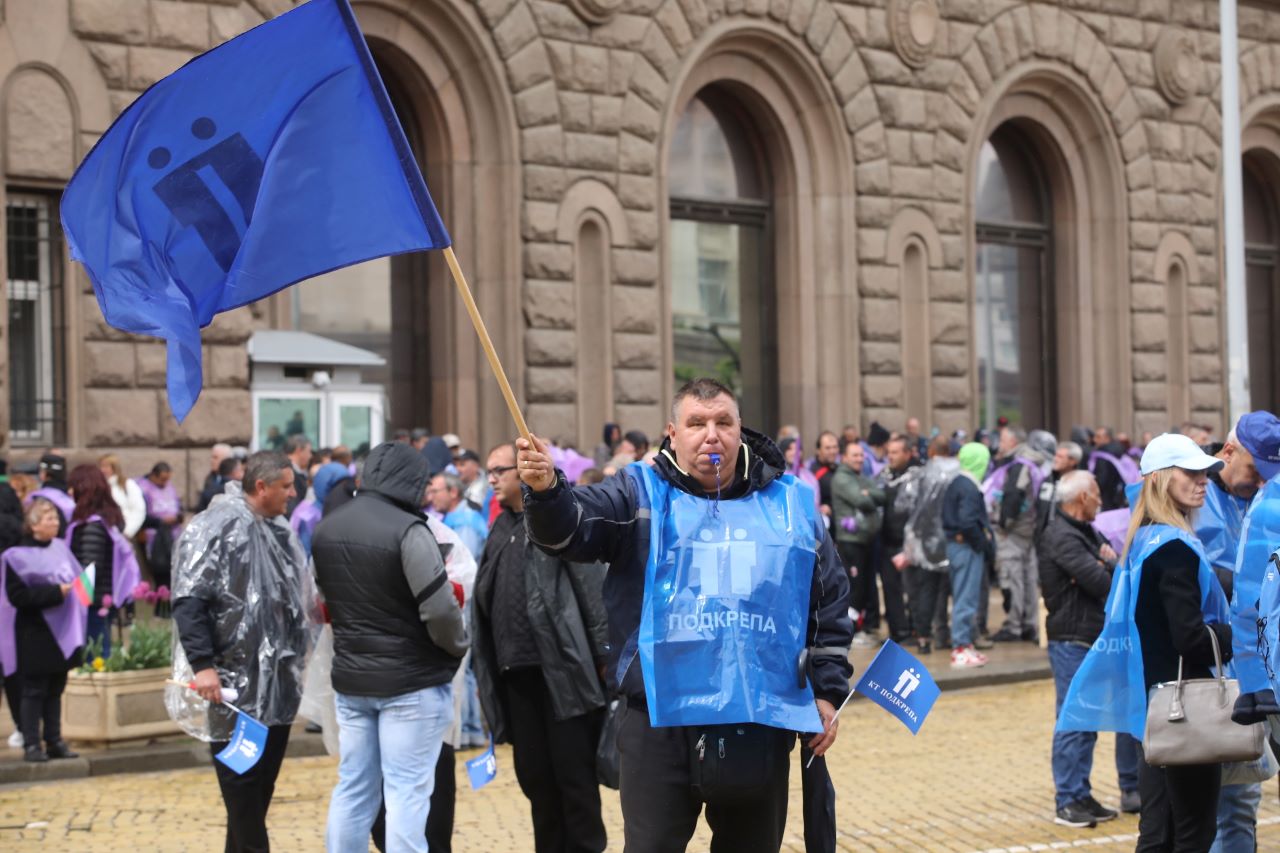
(968, 535)
(398, 637)
(53, 488)
(307, 514)
(243, 604)
(438, 455)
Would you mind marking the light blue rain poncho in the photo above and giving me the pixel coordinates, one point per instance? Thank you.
(1108, 692)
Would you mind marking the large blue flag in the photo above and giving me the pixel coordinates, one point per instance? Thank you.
(270, 159)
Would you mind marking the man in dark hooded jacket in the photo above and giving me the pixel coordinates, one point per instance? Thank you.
(398, 637)
(709, 472)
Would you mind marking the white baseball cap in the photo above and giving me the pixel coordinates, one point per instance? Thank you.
(1173, 450)
(451, 441)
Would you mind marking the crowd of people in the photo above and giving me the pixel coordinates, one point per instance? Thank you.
(428, 599)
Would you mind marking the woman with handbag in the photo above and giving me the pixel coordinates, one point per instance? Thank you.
(1179, 802)
(1167, 625)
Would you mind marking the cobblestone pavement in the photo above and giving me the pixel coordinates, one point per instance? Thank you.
(975, 779)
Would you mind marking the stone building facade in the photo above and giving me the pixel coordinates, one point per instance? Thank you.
(856, 210)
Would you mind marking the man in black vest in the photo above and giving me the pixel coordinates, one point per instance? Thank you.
(541, 640)
(398, 636)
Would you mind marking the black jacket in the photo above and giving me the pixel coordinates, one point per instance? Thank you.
(38, 652)
(1170, 622)
(1110, 483)
(91, 543)
(567, 617)
(964, 515)
(384, 608)
(1074, 578)
(601, 522)
(893, 530)
(10, 517)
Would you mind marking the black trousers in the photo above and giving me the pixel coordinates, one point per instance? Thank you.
(819, 803)
(13, 696)
(1179, 807)
(42, 703)
(660, 809)
(895, 605)
(440, 819)
(247, 796)
(923, 589)
(555, 765)
(863, 595)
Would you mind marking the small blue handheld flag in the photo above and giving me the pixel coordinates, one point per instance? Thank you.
(246, 744)
(270, 159)
(482, 768)
(900, 684)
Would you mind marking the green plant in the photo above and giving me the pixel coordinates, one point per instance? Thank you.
(147, 647)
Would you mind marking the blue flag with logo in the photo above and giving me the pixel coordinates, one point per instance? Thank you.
(900, 684)
(483, 768)
(270, 159)
(245, 747)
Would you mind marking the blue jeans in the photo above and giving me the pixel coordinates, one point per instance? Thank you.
(1073, 751)
(388, 745)
(966, 585)
(1237, 818)
(100, 626)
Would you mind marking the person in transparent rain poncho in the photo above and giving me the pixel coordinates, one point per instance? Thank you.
(243, 605)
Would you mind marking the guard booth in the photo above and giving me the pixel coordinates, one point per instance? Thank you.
(304, 384)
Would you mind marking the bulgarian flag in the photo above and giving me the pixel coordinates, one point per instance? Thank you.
(83, 585)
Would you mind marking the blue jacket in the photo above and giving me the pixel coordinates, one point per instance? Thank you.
(601, 523)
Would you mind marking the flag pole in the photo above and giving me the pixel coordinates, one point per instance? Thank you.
(478, 321)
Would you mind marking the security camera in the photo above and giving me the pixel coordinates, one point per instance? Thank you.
(320, 378)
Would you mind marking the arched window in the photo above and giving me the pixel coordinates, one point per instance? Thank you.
(722, 304)
(1262, 263)
(1014, 334)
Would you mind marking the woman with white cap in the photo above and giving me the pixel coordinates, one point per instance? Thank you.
(1164, 602)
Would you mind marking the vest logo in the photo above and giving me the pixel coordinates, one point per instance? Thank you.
(724, 569)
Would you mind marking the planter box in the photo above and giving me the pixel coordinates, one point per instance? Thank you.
(113, 706)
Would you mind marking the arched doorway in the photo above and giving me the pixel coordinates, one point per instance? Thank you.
(1262, 268)
(723, 312)
(1014, 336)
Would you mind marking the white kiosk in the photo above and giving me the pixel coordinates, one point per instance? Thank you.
(303, 384)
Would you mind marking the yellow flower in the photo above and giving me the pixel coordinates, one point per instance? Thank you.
(99, 664)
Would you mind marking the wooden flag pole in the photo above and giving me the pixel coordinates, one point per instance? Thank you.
(478, 321)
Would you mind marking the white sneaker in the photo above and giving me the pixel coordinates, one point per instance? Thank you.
(965, 657)
(15, 740)
(863, 640)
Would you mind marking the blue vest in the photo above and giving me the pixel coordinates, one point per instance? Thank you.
(1258, 538)
(726, 600)
(1109, 692)
(1219, 525)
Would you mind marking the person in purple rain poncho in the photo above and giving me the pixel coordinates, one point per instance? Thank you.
(94, 538)
(163, 524)
(42, 627)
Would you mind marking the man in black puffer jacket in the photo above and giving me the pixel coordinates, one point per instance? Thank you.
(1076, 566)
(724, 578)
(398, 637)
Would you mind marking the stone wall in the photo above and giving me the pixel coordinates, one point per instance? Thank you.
(593, 86)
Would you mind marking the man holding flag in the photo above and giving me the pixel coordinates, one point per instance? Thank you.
(727, 620)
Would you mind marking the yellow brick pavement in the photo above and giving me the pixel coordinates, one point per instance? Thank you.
(975, 779)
